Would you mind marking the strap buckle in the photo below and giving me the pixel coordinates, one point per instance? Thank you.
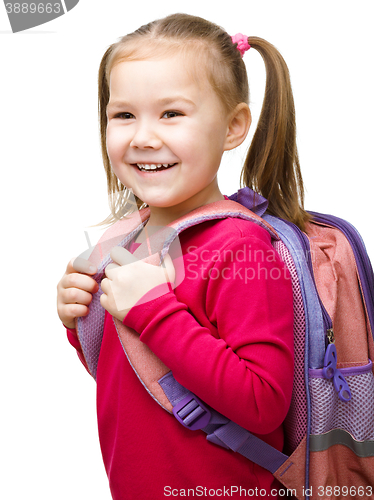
(192, 413)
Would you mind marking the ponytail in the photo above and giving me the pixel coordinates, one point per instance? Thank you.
(272, 165)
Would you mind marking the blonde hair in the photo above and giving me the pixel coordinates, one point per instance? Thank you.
(272, 166)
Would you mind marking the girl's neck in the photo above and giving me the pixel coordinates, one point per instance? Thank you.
(161, 216)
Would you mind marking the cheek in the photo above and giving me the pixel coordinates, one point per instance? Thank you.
(109, 146)
(188, 143)
(114, 143)
(115, 150)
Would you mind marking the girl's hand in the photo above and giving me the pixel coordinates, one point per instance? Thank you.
(74, 291)
(128, 279)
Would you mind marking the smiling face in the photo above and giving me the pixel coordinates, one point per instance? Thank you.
(166, 134)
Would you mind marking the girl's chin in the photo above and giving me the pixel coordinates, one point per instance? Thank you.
(159, 201)
(158, 196)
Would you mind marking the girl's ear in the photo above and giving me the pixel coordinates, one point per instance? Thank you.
(238, 126)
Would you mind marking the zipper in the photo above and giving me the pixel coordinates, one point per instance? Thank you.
(330, 370)
(303, 239)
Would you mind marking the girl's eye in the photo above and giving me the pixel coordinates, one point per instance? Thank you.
(124, 116)
(171, 114)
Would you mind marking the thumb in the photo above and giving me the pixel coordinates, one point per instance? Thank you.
(122, 256)
(80, 265)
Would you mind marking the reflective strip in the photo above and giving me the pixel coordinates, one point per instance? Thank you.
(339, 436)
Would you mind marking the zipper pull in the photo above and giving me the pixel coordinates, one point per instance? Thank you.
(330, 336)
(330, 370)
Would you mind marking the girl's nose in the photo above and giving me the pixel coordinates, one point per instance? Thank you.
(145, 137)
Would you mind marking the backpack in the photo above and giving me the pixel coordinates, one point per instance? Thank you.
(329, 429)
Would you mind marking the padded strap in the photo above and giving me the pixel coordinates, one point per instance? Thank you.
(194, 415)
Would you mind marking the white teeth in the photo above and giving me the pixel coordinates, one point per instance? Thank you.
(153, 166)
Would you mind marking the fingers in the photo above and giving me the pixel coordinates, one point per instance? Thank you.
(122, 256)
(107, 292)
(79, 281)
(76, 296)
(110, 270)
(73, 301)
(77, 311)
(74, 291)
(81, 266)
(105, 286)
(72, 296)
(68, 313)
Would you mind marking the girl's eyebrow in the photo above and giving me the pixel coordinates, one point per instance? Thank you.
(117, 104)
(167, 101)
(176, 99)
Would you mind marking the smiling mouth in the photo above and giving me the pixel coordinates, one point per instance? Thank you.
(153, 167)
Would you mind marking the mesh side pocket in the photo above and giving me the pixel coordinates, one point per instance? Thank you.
(355, 416)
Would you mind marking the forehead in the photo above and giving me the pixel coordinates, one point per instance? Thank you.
(158, 76)
(192, 53)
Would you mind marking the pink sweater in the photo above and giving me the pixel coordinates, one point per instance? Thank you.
(226, 332)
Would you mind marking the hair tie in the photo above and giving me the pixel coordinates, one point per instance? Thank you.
(242, 43)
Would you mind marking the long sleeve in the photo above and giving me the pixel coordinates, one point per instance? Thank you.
(239, 359)
(74, 341)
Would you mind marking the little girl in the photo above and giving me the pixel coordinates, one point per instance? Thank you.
(173, 97)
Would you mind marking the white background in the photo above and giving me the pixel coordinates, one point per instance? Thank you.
(53, 187)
